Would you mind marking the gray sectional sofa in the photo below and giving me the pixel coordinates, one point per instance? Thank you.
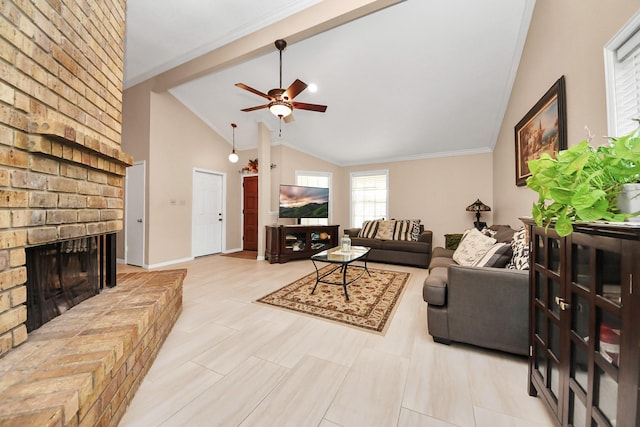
(404, 252)
(482, 306)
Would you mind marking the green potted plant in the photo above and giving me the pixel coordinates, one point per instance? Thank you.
(584, 183)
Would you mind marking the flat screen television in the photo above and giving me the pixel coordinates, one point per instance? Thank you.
(297, 201)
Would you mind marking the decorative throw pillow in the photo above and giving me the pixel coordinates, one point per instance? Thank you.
(451, 241)
(497, 256)
(402, 230)
(415, 229)
(369, 229)
(488, 232)
(472, 247)
(520, 247)
(385, 229)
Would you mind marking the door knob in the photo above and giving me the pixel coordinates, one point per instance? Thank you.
(139, 220)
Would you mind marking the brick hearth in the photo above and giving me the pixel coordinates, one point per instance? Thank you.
(83, 368)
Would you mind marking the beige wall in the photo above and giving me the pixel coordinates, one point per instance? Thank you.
(436, 191)
(136, 103)
(565, 38)
(176, 142)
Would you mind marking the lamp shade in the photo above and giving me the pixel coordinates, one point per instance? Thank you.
(233, 157)
(478, 206)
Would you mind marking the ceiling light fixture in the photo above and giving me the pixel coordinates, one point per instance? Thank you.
(233, 157)
(280, 108)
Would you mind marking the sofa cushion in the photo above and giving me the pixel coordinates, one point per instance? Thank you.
(371, 243)
(405, 246)
(369, 229)
(441, 252)
(472, 247)
(385, 229)
(504, 233)
(441, 262)
(434, 289)
(497, 256)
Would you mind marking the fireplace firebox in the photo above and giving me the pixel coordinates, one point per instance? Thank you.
(63, 274)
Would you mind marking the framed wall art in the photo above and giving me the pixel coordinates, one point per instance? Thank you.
(541, 130)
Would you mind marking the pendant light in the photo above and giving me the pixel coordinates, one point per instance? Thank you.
(233, 157)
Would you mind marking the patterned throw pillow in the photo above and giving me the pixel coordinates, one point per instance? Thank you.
(385, 229)
(472, 247)
(402, 230)
(452, 241)
(415, 229)
(520, 246)
(497, 256)
(369, 229)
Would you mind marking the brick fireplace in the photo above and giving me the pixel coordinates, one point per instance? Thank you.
(61, 166)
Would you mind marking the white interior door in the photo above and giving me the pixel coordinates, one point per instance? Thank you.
(134, 214)
(207, 213)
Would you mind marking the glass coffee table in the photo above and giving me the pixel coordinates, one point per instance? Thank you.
(343, 261)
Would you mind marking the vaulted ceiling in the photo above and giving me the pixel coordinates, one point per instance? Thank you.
(414, 80)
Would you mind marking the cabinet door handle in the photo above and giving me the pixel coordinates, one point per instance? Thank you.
(563, 305)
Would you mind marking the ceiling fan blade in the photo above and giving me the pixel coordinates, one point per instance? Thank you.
(311, 107)
(252, 90)
(259, 107)
(295, 89)
(289, 118)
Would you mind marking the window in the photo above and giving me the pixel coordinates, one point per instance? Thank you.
(315, 179)
(369, 196)
(622, 70)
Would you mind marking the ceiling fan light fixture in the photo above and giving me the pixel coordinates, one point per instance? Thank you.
(280, 108)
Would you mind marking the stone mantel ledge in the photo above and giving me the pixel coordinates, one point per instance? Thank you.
(63, 141)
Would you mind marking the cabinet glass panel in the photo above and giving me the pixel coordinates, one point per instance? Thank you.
(606, 398)
(555, 293)
(541, 362)
(608, 343)
(610, 280)
(540, 283)
(554, 338)
(541, 329)
(577, 412)
(554, 379)
(580, 265)
(539, 250)
(320, 240)
(295, 241)
(580, 315)
(579, 365)
(554, 255)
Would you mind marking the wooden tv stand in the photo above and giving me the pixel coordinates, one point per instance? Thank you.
(289, 242)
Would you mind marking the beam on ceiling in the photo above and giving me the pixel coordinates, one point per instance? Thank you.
(314, 20)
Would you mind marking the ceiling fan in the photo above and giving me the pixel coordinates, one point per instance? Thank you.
(281, 102)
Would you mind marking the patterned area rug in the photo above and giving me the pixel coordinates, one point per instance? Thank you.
(371, 299)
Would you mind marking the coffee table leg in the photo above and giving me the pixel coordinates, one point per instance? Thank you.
(344, 282)
(317, 277)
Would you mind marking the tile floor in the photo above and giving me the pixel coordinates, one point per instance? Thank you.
(232, 362)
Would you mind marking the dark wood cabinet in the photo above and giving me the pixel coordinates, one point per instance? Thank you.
(289, 242)
(585, 323)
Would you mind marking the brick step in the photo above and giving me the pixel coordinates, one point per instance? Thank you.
(83, 367)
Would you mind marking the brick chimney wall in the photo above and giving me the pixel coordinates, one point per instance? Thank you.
(61, 167)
